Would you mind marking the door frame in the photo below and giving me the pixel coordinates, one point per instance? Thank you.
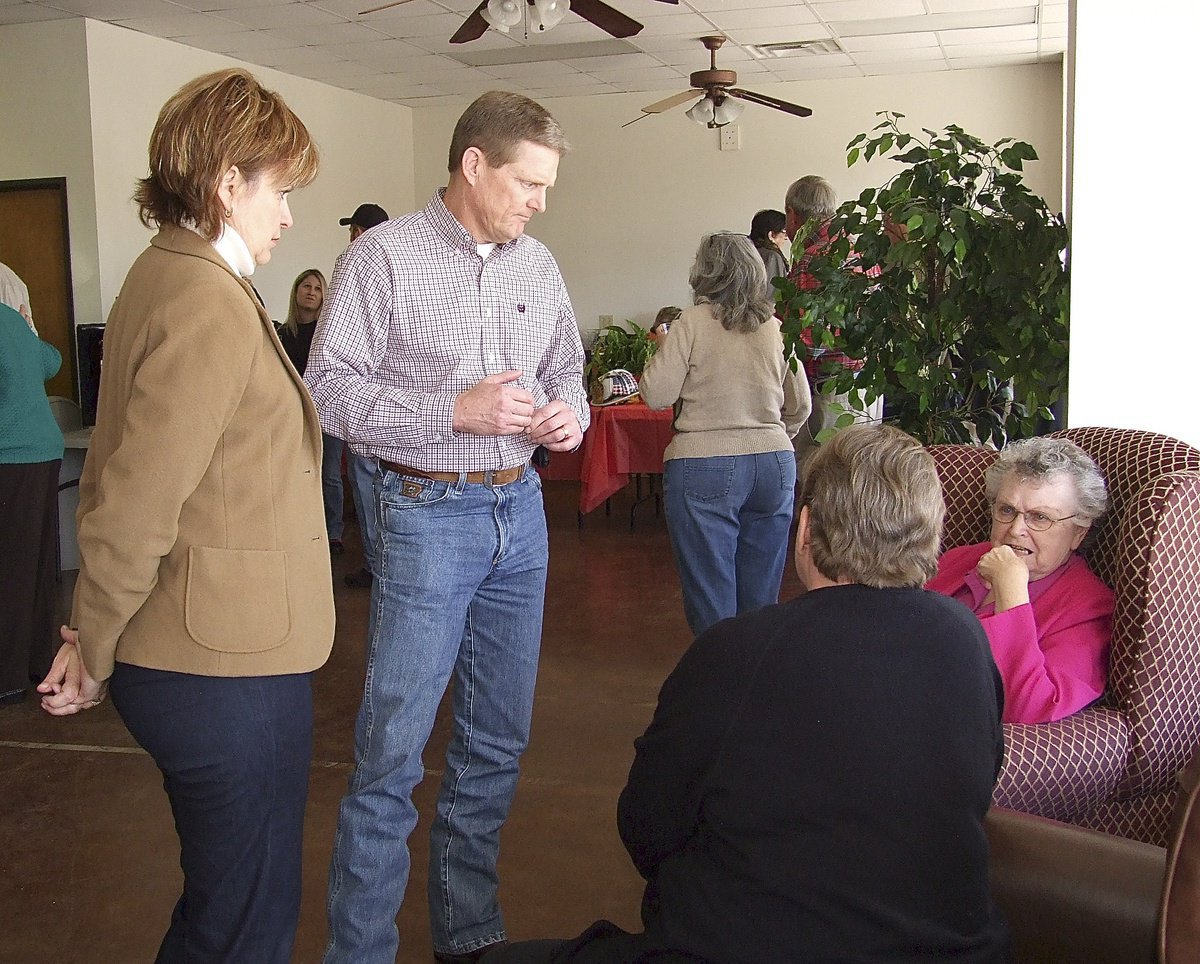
(59, 186)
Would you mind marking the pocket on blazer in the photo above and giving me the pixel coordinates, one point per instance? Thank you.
(237, 599)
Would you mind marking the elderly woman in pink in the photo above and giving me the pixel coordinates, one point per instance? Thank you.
(1047, 616)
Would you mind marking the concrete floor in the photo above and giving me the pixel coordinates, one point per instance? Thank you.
(88, 855)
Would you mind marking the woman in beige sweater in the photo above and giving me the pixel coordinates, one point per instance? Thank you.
(730, 470)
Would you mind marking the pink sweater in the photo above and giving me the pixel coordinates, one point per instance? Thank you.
(1052, 653)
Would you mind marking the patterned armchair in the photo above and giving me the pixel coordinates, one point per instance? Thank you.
(1112, 767)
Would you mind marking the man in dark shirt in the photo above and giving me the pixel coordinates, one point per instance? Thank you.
(813, 785)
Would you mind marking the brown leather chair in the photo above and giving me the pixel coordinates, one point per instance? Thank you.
(1112, 766)
(1078, 896)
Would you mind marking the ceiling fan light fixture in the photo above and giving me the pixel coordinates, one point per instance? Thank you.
(727, 112)
(548, 14)
(701, 111)
(502, 14)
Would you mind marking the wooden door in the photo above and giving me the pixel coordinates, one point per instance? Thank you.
(35, 244)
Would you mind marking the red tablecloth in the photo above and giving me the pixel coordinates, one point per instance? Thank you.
(622, 440)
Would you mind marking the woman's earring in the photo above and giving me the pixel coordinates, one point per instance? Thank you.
(228, 213)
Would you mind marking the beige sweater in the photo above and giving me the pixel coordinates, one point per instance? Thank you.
(736, 394)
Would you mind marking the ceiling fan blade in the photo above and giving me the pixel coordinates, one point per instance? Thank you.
(608, 19)
(635, 120)
(394, 3)
(753, 98)
(673, 101)
(472, 28)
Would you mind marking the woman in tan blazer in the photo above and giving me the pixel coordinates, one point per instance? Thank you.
(204, 602)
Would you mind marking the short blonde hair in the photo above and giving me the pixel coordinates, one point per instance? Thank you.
(211, 124)
(875, 508)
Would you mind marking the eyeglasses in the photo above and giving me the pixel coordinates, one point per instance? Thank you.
(1037, 521)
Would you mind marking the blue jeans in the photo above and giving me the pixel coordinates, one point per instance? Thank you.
(458, 595)
(729, 517)
(361, 471)
(331, 484)
(234, 754)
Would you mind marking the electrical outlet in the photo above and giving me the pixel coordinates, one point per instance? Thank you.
(605, 320)
(730, 139)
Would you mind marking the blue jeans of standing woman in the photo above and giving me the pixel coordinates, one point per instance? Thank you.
(458, 595)
(234, 754)
(729, 517)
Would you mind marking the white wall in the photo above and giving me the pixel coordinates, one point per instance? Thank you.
(631, 205)
(47, 133)
(366, 154)
(1135, 328)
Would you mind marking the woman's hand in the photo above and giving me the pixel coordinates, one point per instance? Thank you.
(1006, 575)
(68, 687)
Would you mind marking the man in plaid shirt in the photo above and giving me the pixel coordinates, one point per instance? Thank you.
(448, 351)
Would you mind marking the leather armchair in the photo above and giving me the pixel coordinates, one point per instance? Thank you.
(1112, 766)
(1078, 896)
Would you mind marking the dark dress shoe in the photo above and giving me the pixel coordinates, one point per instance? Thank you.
(468, 957)
(335, 547)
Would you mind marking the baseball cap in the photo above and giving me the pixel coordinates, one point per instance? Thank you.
(617, 386)
(366, 216)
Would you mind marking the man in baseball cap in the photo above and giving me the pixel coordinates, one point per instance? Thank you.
(364, 216)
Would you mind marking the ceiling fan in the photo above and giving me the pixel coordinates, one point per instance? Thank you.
(714, 109)
(503, 14)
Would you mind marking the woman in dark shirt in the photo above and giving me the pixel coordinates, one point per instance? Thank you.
(308, 294)
(296, 333)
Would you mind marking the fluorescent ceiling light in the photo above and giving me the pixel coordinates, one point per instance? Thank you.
(1011, 17)
(536, 53)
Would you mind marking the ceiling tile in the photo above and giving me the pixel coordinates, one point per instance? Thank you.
(770, 17)
(329, 33)
(870, 9)
(985, 35)
(30, 13)
(119, 9)
(350, 9)
(216, 6)
(182, 25)
(916, 54)
(958, 6)
(893, 41)
(281, 15)
(440, 25)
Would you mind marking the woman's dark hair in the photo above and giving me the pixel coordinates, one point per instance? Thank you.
(766, 223)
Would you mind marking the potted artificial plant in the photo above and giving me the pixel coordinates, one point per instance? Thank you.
(616, 347)
(949, 283)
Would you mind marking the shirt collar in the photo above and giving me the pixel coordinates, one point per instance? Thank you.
(452, 231)
(231, 247)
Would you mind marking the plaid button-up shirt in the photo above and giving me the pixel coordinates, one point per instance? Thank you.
(414, 316)
(815, 359)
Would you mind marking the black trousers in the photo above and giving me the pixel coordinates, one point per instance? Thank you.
(28, 576)
(234, 754)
